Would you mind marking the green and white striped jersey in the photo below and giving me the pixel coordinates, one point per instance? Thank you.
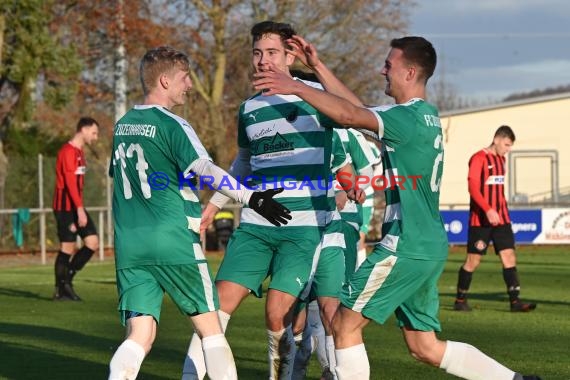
(290, 144)
(339, 157)
(155, 210)
(412, 153)
(332, 236)
(357, 148)
(377, 164)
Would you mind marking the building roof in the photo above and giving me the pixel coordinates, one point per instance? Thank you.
(512, 103)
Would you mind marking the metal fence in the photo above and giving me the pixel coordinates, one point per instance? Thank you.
(29, 186)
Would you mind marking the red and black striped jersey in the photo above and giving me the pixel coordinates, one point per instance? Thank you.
(486, 183)
(70, 171)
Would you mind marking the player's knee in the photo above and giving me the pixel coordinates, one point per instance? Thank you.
(147, 346)
(92, 242)
(328, 312)
(472, 263)
(276, 320)
(279, 310)
(508, 258)
(470, 267)
(424, 353)
(145, 341)
(338, 325)
(230, 295)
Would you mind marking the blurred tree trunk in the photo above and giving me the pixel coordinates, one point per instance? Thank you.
(209, 76)
(120, 65)
(3, 158)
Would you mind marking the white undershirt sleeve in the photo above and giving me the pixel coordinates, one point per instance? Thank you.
(231, 188)
(240, 168)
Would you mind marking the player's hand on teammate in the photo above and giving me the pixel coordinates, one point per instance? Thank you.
(356, 195)
(274, 81)
(303, 51)
(208, 214)
(263, 203)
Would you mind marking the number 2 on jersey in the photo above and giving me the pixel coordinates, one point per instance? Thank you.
(435, 179)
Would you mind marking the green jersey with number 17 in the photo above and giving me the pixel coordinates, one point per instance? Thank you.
(156, 209)
(413, 164)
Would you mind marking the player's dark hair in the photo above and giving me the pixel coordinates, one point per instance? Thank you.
(418, 51)
(85, 121)
(159, 61)
(285, 31)
(505, 131)
(309, 76)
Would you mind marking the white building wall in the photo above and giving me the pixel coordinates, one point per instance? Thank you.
(540, 123)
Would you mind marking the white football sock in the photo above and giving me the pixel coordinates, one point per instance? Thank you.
(281, 366)
(352, 363)
(194, 363)
(319, 345)
(126, 361)
(466, 361)
(298, 338)
(220, 363)
(329, 345)
(317, 332)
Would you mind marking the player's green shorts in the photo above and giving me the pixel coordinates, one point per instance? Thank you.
(284, 253)
(327, 274)
(141, 289)
(385, 283)
(351, 238)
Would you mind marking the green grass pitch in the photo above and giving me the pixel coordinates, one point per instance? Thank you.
(42, 339)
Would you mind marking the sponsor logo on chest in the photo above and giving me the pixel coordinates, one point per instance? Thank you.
(495, 180)
(271, 144)
(80, 170)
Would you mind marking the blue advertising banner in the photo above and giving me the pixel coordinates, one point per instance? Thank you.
(527, 225)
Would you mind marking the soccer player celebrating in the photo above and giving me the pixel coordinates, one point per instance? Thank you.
(156, 210)
(284, 140)
(402, 272)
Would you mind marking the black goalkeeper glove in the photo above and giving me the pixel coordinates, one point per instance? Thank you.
(263, 203)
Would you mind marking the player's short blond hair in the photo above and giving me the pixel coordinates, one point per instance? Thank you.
(159, 61)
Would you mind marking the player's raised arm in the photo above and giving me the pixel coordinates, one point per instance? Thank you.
(342, 111)
(307, 54)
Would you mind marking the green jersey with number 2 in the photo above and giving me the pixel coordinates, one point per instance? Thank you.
(413, 164)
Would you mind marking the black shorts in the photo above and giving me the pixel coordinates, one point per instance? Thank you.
(479, 238)
(67, 229)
